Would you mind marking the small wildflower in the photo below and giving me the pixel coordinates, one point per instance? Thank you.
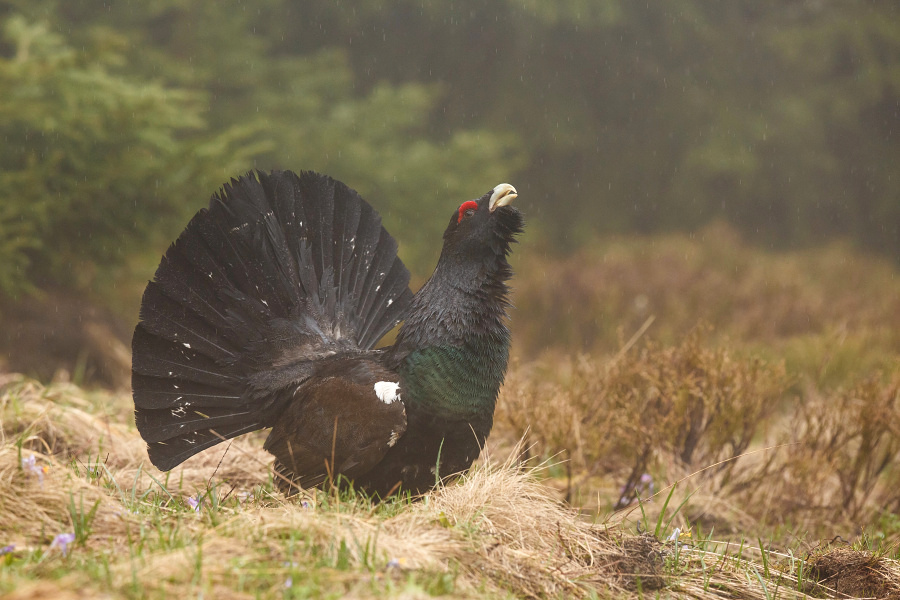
(645, 486)
(289, 582)
(62, 542)
(305, 505)
(7, 549)
(677, 535)
(194, 502)
(396, 563)
(29, 465)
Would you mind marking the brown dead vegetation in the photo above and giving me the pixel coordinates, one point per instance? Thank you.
(500, 527)
(849, 573)
(498, 531)
(757, 448)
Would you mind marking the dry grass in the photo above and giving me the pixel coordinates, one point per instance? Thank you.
(841, 465)
(499, 532)
(770, 380)
(854, 574)
(685, 406)
(762, 452)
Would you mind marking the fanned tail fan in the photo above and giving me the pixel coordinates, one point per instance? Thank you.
(279, 271)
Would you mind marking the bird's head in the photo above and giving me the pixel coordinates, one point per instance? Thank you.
(484, 228)
(467, 295)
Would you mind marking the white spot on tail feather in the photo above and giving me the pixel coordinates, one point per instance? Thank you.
(387, 391)
(395, 435)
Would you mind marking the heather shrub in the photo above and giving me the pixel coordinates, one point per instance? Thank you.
(689, 404)
(757, 448)
(841, 461)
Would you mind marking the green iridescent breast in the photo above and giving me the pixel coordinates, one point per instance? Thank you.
(456, 382)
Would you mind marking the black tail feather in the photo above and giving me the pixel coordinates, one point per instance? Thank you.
(169, 454)
(279, 271)
(151, 393)
(170, 320)
(168, 423)
(158, 357)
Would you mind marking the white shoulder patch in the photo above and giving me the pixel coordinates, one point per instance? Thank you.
(387, 391)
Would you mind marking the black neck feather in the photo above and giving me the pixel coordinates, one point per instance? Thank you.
(453, 348)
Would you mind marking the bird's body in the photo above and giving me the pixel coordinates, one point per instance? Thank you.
(266, 311)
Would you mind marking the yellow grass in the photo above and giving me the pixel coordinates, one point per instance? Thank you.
(499, 532)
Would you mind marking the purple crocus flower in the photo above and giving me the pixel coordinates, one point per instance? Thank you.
(194, 502)
(62, 542)
(7, 549)
(29, 465)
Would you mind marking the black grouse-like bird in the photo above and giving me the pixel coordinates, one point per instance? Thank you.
(265, 313)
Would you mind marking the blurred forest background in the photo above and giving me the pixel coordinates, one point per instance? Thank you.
(759, 126)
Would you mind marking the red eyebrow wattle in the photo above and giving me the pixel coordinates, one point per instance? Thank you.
(466, 206)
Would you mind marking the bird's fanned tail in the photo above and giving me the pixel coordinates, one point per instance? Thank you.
(279, 271)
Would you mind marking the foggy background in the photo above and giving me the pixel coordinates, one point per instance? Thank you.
(119, 120)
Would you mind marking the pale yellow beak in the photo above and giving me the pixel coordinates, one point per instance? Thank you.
(503, 194)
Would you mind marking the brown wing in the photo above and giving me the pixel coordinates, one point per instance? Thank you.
(340, 423)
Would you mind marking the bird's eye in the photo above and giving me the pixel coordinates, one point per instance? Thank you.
(467, 210)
